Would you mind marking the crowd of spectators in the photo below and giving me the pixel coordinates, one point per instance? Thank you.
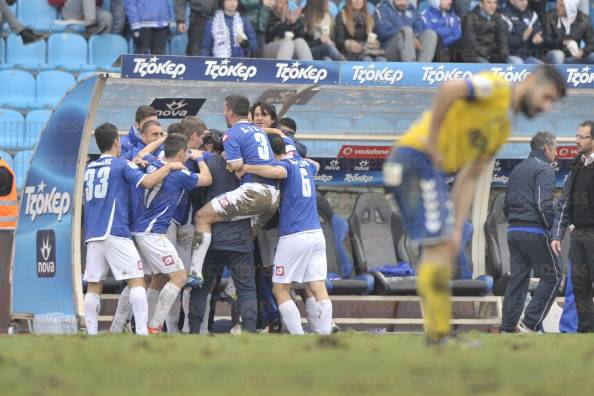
(504, 31)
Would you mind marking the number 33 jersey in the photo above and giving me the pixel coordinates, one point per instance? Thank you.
(473, 129)
(298, 207)
(106, 197)
(247, 142)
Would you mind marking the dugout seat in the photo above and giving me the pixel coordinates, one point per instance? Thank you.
(12, 133)
(18, 89)
(51, 87)
(104, 50)
(34, 124)
(497, 261)
(30, 56)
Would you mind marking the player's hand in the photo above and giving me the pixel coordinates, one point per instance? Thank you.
(140, 162)
(537, 39)
(417, 44)
(181, 27)
(556, 247)
(196, 154)
(435, 156)
(527, 34)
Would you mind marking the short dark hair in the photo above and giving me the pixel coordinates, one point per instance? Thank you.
(105, 135)
(589, 124)
(239, 105)
(216, 141)
(548, 74)
(144, 112)
(147, 125)
(277, 143)
(176, 127)
(541, 140)
(193, 125)
(289, 123)
(267, 109)
(174, 143)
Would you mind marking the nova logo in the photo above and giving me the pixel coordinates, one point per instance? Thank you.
(153, 66)
(577, 77)
(296, 72)
(334, 165)
(365, 74)
(510, 75)
(41, 202)
(46, 253)
(363, 166)
(216, 69)
(432, 76)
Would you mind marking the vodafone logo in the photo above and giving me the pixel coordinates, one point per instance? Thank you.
(347, 151)
(364, 152)
(567, 152)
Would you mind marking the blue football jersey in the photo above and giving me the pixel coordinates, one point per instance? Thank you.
(161, 201)
(298, 207)
(291, 149)
(182, 212)
(248, 142)
(107, 194)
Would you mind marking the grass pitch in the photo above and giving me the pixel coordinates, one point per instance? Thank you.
(347, 364)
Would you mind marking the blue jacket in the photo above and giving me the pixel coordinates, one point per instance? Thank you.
(236, 51)
(147, 13)
(131, 140)
(445, 23)
(389, 20)
(530, 193)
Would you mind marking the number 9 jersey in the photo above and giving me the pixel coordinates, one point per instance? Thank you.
(473, 128)
(106, 197)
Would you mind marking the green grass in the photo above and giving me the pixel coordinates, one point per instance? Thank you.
(348, 364)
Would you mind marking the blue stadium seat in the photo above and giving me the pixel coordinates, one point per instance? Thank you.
(84, 75)
(8, 158)
(39, 15)
(30, 56)
(332, 9)
(179, 44)
(12, 130)
(68, 51)
(18, 89)
(34, 124)
(3, 64)
(51, 86)
(105, 49)
(22, 161)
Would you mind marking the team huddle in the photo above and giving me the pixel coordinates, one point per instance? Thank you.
(140, 189)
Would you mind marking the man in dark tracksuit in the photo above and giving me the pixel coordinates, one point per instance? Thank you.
(231, 246)
(529, 211)
(576, 206)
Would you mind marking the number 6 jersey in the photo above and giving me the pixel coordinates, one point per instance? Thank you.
(106, 197)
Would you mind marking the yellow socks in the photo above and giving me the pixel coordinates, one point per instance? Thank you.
(434, 288)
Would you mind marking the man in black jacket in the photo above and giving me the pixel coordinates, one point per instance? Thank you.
(484, 34)
(576, 206)
(524, 32)
(529, 211)
(200, 11)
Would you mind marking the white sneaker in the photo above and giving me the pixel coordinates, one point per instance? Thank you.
(236, 330)
(523, 329)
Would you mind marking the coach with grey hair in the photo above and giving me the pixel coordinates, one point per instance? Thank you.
(529, 212)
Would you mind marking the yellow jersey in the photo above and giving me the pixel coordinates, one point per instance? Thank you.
(473, 128)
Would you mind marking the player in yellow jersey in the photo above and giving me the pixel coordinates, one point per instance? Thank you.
(469, 121)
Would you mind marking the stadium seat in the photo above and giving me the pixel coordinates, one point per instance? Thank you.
(104, 50)
(22, 161)
(85, 75)
(12, 130)
(34, 124)
(8, 158)
(3, 64)
(39, 15)
(68, 51)
(30, 56)
(51, 86)
(179, 44)
(18, 89)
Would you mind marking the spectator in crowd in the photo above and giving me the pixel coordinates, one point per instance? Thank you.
(461, 7)
(132, 139)
(284, 37)
(524, 32)
(118, 14)
(353, 33)
(94, 16)
(231, 246)
(228, 33)
(149, 22)
(319, 26)
(401, 34)
(529, 212)
(289, 127)
(258, 11)
(28, 35)
(576, 206)
(200, 12)
(564, 29)
(484, 34)
(443, 20)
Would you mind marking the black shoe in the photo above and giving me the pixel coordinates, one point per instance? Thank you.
(29, 36)
(95, 29)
